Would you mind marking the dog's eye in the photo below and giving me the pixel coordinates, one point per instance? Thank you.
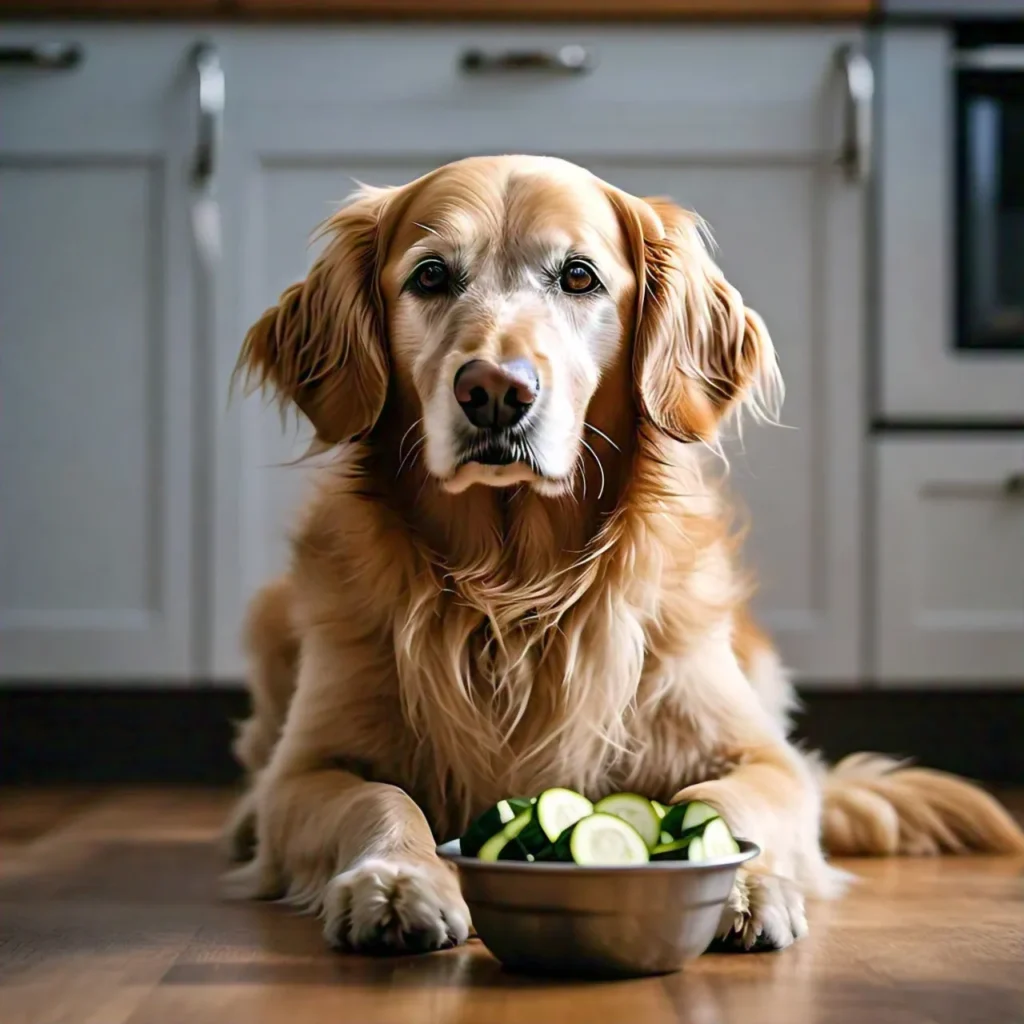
(431, 277)
(578, 278)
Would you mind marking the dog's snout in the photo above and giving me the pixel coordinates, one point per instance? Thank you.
(493, 395)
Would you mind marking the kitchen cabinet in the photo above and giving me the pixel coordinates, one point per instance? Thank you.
(740, 124)
(949, 569)
(142, 507)
(97, 356)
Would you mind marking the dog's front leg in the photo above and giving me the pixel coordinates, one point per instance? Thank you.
(360, 853)
(771, 799)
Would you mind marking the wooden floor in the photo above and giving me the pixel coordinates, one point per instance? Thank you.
(108, 915)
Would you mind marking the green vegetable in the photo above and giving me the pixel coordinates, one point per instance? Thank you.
(635, 810)
(621, 829)
(494, 847)
(490, 823)
(554, 811)
(715, 842)
(601, 840)
(684, 818)
(673, 850)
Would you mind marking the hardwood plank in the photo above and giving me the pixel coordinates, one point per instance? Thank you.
(110, 916)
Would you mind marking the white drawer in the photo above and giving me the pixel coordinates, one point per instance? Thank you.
(949, 599)
(734, 90)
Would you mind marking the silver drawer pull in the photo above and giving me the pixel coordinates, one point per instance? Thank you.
(1011, 487)
(990, 58)
(45, 56)
(571, 59)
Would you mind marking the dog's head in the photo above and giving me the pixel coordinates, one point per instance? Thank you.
(506, 304)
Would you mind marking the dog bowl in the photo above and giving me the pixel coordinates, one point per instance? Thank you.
(548, 918)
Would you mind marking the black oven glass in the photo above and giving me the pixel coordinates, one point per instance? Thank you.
(990, 199)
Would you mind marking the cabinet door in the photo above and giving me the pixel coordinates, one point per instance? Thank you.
(96, 357)
(741, 125)
(950, 573)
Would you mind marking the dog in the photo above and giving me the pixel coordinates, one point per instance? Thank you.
(518, 568)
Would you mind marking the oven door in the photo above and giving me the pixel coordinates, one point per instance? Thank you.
(950, 230)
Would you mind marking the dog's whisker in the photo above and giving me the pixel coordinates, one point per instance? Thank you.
(601, 433)
(401, 444)
(600, 493)
(416, 447)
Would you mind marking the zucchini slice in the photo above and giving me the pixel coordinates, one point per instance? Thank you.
(602, 840)
(683, 818)
(554, 811)
(717, 841)
(677, 849)
(494, 847)
(490, 823)
(635, 810)
(559, 809)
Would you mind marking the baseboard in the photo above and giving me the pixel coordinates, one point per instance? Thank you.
(64, 735)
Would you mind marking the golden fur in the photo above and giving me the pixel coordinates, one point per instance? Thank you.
(437, 645)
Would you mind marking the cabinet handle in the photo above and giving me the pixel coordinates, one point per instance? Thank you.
(210, 79)
(990, 58)
(571, 59)
(44, 56)
(1011, 487)
(856, 154)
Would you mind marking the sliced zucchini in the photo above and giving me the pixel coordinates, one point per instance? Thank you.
(514, 850)
(713, 843)
(559, 809)
(682, 818)
(659, 808)
(718, 841)
(635, 810)
(674, 850)
(602, 840)
(490, 823)
(492, 849)
(554, 811)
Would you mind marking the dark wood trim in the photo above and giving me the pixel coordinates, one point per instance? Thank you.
(446, 10)
(144, 735)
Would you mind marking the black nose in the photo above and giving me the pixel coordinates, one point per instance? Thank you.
(496, 396)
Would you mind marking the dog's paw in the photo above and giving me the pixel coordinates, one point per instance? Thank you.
(763, 913)
(382, 906)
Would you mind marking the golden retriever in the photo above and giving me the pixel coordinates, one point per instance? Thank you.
(517, 571)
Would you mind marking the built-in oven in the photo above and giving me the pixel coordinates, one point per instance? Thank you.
(989, 180)
(949, 208)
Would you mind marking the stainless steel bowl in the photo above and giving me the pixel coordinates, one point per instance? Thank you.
(604, 922)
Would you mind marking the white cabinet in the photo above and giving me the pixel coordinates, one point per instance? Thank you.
(96, 359)
(739, 124)
(140, 509)
(950, 561)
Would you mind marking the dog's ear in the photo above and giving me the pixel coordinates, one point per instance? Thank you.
(699, 352)
(323, 345)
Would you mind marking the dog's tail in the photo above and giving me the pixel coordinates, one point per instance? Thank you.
(876, 806)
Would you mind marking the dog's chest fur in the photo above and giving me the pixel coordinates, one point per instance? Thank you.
(531, 666)
(506, 699)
